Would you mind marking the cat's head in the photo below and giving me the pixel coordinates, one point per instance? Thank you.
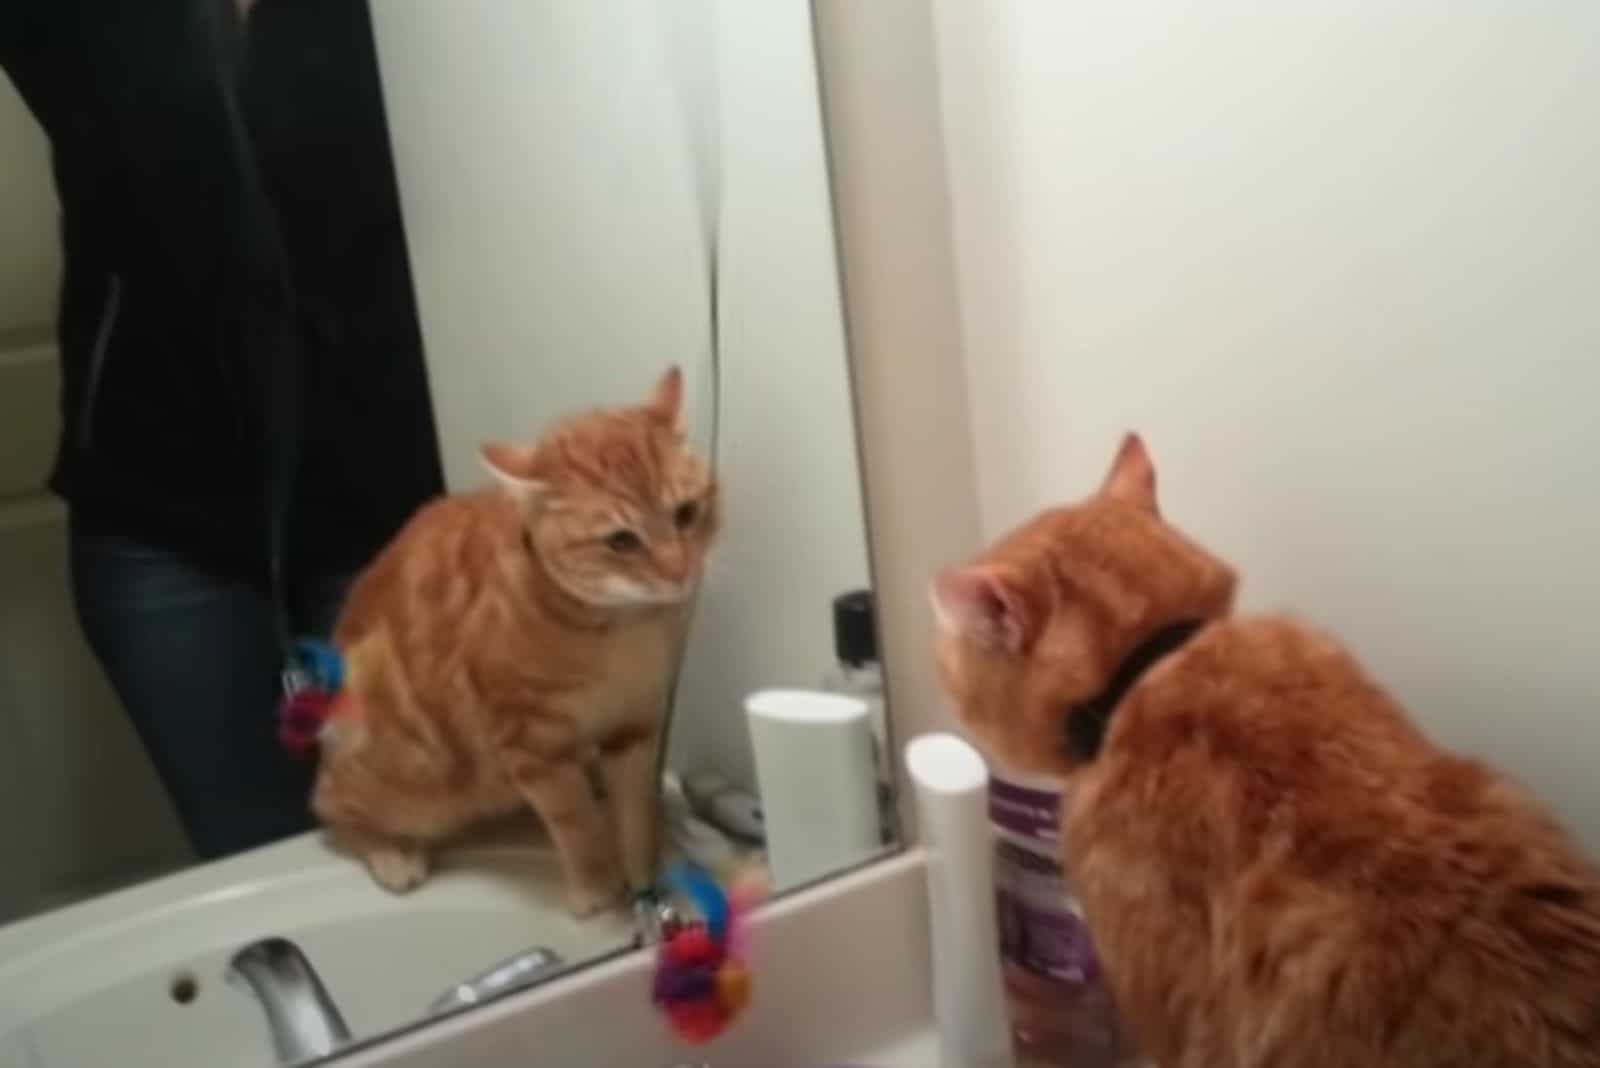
(1042, 619)
(617, 506)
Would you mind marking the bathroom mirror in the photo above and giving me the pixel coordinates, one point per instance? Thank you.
(274, 276)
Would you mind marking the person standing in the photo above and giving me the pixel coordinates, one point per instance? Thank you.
(244, 402)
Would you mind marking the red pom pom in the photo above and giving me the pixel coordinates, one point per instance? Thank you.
(692, 947)
(300, 720)
(697, 1021)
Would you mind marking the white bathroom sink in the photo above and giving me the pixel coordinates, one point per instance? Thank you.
(840, 975)
(98, 985)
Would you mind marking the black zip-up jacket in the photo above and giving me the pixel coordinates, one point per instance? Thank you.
(235, 272)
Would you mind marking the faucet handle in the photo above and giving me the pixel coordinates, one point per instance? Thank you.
(654, 919)
(523, 970)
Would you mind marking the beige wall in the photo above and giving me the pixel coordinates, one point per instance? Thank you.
(1339, 261)
(30, 253)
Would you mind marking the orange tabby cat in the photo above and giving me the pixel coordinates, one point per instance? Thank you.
(1280, 870)
(510, 641)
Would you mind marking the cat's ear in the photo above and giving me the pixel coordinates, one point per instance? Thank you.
(512, 467)
(667, 398)
(1132, 477)
(981, 605)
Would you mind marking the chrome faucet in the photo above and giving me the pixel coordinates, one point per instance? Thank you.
(303, 1019)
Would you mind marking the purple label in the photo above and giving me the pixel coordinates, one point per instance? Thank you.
(1039, 930)
(1051, 942)
(1060, 1004)
(1024, 811)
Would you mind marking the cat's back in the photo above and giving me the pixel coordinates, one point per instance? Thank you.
(431, 569)
(1273, 729)
(1268, 840)
(1263, 690)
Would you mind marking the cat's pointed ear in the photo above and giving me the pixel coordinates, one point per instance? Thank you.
(1132, 477)
(983, 606)
(512, 467)
(667, 398)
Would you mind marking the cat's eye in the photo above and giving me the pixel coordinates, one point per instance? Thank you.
(624, 541)
(686, 514)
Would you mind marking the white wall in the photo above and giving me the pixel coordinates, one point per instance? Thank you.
(795, 533)
(1340, 261)
(554, 160)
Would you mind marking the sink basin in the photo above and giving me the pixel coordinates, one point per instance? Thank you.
(136, 978)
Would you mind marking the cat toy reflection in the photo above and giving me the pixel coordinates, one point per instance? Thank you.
(702, 980)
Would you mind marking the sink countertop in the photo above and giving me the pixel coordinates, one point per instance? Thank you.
(841, 978)
(96, 983)
(920, 1050)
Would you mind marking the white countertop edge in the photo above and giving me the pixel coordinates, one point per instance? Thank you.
(860, 994)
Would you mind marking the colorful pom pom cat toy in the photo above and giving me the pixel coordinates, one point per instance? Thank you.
(311, 693)
(702, 982)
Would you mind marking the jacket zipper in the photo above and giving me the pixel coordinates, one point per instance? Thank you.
(97, 359)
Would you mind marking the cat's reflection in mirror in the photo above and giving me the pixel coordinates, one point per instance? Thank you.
(513, 640)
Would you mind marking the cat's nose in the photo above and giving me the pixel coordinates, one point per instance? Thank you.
(675, 565)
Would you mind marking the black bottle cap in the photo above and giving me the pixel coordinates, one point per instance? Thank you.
(855, 630)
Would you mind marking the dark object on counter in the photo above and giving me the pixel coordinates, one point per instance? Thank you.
(855, 628)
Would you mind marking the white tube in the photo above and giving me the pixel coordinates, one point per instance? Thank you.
(819, 800)
(952, 788)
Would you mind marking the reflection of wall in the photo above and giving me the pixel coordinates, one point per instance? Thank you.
(885, 144)
(30, 254)
(549, 210)
(1341, 263)
(550, 199)
(79, 805)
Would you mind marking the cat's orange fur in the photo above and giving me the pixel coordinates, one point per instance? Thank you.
(1279, 869)
(513, 640)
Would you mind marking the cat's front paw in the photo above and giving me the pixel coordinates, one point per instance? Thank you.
(398, 870)
(588, 900)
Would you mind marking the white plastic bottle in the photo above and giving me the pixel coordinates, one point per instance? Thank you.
(1060, 1009)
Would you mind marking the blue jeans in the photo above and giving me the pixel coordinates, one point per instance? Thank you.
(195, 659)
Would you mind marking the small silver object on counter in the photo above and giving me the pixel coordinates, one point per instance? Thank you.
(514, 973)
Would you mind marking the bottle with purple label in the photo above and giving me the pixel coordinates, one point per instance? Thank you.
(1061, 1011)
